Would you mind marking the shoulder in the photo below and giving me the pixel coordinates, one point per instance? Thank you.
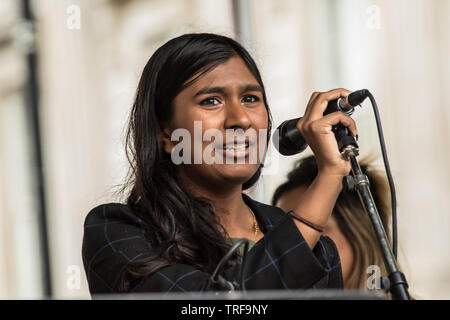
(113, 225)
(111, 213)
(269, 215)
(114, 235)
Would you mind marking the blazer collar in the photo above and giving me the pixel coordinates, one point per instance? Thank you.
(267, 216)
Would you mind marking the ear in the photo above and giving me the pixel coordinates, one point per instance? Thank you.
(164, 135)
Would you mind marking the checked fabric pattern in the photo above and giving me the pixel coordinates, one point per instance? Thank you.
(114, 236)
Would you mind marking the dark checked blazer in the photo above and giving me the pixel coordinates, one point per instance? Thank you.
(114, 236)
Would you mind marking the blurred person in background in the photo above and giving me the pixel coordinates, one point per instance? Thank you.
(349, 226)
(180, 220)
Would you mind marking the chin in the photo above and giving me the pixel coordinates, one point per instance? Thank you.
(238, 173)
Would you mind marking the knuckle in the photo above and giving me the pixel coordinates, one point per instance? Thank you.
(314, 126)
(346, 116)
(343, 90)
(350, 120)
(306, 127)
(300, 124)
(320, 98)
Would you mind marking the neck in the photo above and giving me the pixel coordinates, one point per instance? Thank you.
(228, 204)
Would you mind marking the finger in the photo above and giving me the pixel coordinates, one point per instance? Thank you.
(321, 102)
(340, 117)
(310, 103)
(313, 96)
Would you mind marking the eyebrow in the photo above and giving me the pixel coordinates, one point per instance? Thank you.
(208, 90)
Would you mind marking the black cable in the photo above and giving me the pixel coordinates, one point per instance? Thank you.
(242, 269)
(216, 278)
(388, 173)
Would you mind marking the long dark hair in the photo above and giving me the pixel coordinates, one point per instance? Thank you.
(352, 221)
(181, 228)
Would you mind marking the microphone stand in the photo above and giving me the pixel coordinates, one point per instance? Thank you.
(397, 285)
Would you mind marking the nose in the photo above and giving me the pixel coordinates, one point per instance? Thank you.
(236, 116)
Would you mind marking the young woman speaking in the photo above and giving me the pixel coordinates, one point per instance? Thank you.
(181, 218)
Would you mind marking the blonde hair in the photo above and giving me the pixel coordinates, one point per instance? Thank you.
(352, 221)
(356, 226)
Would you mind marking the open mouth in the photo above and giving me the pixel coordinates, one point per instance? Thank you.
(236, 149)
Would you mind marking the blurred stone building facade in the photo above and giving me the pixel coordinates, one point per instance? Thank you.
(91, 54)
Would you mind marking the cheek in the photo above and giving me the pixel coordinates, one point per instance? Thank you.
(260, 118)
(185, 117)
(196, 122)
(185, 112)
(262, 126)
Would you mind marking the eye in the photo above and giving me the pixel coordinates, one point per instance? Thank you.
(250, 99)
(210, 101)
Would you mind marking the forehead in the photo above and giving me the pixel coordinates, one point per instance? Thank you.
(232, 73)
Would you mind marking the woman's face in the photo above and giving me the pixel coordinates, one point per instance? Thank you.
(289, 200)
(226, 98)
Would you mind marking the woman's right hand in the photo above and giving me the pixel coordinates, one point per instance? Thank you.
(316, 129)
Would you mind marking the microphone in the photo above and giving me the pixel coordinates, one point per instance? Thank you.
(288, 140)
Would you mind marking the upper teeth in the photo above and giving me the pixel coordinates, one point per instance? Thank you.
(239, 146)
